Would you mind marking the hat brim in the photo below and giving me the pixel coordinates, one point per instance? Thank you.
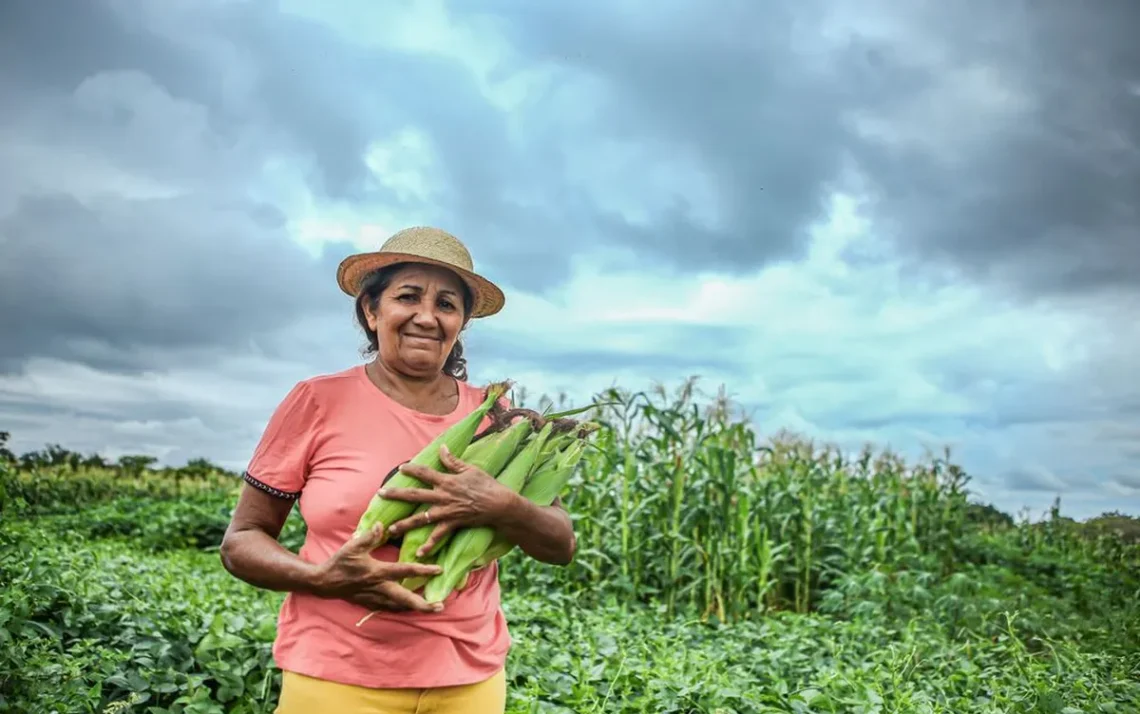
(487, 300)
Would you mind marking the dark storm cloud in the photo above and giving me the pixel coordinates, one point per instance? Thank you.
(726, 87)
(333, 99)
(127, 283)
(15, 408)
(1048, 201)
(44, 49)
(256, 82)
(1128, 480)
(326, 99)
(246, 63)
(101, 285)
(1045, 202)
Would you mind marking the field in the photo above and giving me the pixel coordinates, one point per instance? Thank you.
(717, 572)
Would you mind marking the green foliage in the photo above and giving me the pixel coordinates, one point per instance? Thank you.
(987, 515)
(198, 522)
(683, 507)
(39, 489)
(87, 624)
(715, 573)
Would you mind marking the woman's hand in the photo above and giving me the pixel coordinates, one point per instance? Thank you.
(466, 497)
(352, 574)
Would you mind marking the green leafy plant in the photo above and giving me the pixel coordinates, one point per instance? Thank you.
(716, 573)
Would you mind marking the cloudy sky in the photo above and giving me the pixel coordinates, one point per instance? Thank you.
(915, 224)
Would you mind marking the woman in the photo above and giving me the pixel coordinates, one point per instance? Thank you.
(330, 444)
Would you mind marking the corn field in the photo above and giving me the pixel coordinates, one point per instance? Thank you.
(717, 570)
(684, 505)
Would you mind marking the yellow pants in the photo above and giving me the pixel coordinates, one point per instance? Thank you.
(306, 695)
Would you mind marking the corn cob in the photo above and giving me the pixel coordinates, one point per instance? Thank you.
(490, 454)
(550, 449)
(556, 443)
(468, 543)
(419, 581)
(544, 485)
(542, 488)
(457, 437)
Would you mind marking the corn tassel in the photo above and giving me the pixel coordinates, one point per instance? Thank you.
(469, 543)
(491, 454)
(457, 437)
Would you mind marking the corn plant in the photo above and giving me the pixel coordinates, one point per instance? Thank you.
(685, 506)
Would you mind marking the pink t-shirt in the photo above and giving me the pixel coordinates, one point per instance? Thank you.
(331, 442)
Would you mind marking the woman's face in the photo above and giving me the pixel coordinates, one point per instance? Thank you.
(418, 318)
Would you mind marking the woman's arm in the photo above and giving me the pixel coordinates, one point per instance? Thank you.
(544, 533)
(251, 552)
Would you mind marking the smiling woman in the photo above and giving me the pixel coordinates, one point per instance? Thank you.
(412, 338)
(331, 444)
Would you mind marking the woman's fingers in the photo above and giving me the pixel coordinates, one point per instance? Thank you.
(368, 540)
(398, 571)
(423, 473)
(400, 595)
(378, 601)
(437, 534)
(435, 514)
(450, 461)
(393, 597)
(412, 495)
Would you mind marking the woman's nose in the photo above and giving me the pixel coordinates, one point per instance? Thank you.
(425, 315)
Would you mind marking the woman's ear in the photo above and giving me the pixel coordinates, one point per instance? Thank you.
(370, 315)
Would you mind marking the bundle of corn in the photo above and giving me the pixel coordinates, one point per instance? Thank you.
(542, 488)
(534, 456)
(538, 472)
(490, 454)
(457, 437)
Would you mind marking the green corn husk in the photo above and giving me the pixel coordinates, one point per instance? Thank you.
(419, 581)
(491, 454)
(543, 467)
(463, 581)
(555, 444)
(468, 543)
(457, 437)
(542, 488)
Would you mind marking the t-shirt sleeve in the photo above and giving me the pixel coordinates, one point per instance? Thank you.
(280, 463)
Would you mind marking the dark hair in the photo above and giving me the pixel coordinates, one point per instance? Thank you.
(374, 284)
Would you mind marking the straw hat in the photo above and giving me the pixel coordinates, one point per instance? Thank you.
(432, 246)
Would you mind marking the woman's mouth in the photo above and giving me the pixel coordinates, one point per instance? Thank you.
(423, 338)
